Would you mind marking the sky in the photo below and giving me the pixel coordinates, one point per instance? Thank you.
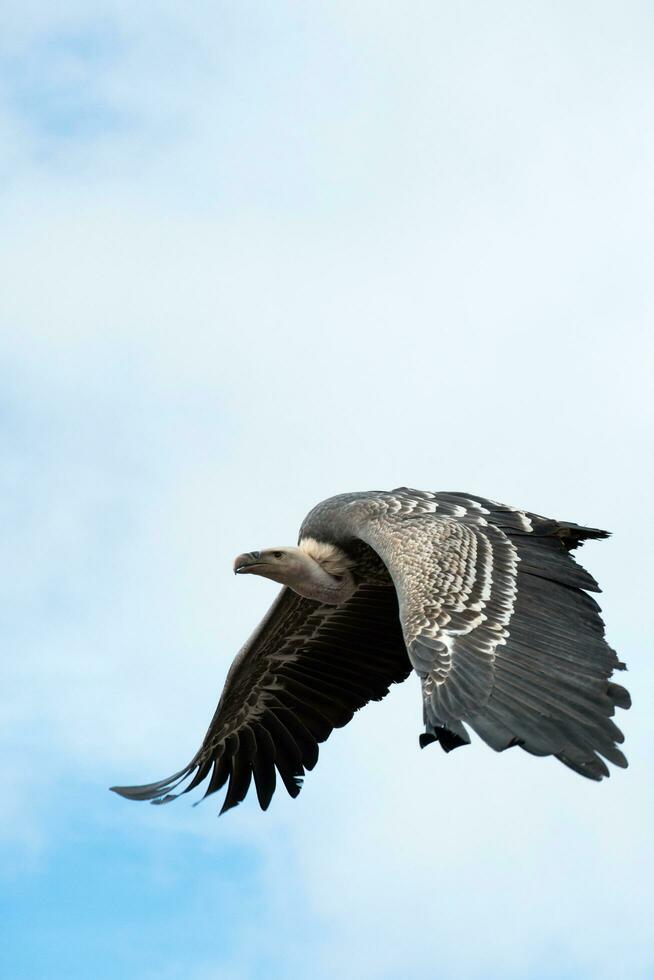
(252, 255)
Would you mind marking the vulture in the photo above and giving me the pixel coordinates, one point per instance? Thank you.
(483, 601)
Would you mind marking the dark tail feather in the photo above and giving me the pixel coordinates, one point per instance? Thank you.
(448, 740)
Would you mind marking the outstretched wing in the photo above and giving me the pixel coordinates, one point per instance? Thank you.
(304, 672)
(497, 621)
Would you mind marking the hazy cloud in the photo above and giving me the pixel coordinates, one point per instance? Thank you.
(254, 256)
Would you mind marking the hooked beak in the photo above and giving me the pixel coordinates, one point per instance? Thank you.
(247, 562)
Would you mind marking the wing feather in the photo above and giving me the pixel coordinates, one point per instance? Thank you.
(305, 671)
(263, 765)
(497, 619)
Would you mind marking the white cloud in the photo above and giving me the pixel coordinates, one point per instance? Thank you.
(331, 250)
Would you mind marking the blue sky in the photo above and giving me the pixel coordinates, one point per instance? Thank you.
(255, 254)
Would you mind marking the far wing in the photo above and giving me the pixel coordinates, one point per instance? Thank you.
(304, 672)
(497, 622)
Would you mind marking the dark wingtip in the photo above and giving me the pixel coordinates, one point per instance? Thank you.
(159, 792)
(128, 792)
(592, 767)
(619, 695)
(573, 535)
(138, 792)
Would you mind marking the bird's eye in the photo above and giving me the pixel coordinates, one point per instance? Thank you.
(277, 554)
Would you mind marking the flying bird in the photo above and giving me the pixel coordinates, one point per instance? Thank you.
(483, 601)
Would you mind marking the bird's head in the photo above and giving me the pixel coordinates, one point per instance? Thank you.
(278, 564)
(313, 570)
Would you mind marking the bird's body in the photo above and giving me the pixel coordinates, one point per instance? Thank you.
(482, 600)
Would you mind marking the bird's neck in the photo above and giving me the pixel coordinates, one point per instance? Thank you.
(316, 583)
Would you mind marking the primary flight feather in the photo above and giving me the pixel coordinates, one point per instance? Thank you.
(485, 603)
